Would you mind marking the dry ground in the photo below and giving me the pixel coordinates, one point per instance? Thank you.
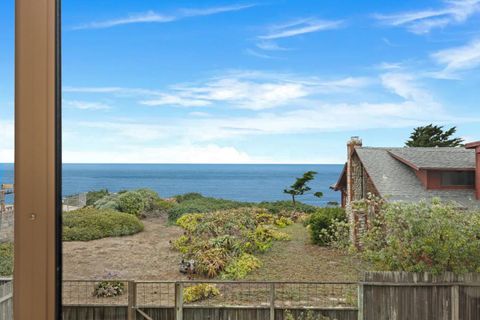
(147, 256)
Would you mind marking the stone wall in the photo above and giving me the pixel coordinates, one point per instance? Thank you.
(6, 225)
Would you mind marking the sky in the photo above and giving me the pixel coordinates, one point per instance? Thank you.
(287, 81)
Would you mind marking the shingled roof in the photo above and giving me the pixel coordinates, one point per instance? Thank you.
(436, 158)
(397, 181)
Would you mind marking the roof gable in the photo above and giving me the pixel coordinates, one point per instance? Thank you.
(436, 158)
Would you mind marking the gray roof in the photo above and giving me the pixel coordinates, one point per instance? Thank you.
(398, 182)
(437, 158)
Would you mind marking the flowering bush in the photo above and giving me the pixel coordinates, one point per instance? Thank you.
(424, 237)
(322, 225)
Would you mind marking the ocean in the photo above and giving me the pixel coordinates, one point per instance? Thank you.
(241, 182)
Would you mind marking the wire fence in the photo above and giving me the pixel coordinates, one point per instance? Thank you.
(214, 294)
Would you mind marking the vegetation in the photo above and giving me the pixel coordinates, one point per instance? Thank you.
(108, 289)
(196, 203)
(219, 241)
(94, 196)
(433, 136)
(200, 292)
(6, 259)
(300, 187)
(424, 237)
(90, 223)
(141, 202)
(286, 207)
(324, 223)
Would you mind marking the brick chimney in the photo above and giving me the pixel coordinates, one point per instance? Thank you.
(351, 144)
(476, 146)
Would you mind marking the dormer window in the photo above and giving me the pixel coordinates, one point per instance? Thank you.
(457, 178)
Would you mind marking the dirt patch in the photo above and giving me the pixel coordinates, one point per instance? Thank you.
(299, 260)
(143, 256)
(147, 256)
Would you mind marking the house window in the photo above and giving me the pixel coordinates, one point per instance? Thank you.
(458, 178)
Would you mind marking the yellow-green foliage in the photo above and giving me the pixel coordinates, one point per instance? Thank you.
(200, 292)
(241, 266)
(189, 222)
(264, 235)
(6, 259)
(283, 222)
(219, 239)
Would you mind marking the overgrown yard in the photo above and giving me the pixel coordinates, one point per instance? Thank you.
(148, 256)
(300, 260)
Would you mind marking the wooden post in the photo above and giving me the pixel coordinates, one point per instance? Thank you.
(178, 301)
(132, 300)
(455, 302)
(360, 300)
(272, 301)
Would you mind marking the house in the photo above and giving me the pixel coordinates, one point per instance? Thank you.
(411, 174)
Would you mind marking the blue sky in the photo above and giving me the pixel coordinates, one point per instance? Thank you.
(255, 81)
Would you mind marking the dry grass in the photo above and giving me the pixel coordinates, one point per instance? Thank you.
(299, 260)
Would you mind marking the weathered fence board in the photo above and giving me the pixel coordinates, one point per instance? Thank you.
(418, 296)
(6, 300)
(94, 313)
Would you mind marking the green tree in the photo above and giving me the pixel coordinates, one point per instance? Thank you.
(300, 187)
(433, 136)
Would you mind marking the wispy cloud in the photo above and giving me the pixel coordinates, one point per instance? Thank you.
(459, 58)
(299, 27)
(423, 21)
(270, 46)
(155, 17)
(86, 105)
(405, 86)
(257, 54)
(252, 90)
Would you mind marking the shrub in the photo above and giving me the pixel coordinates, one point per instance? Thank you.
(264, 235)
(319, 224)
(90, 223)
(108, 289)
(187, 196)
(109, 201)
(190, 222)
(195, 203)
(424, 237)
(279, 207)
(200, 292)
(132, 202)
(241, 266)
(211, 262)
(94, 196)
(6, 259)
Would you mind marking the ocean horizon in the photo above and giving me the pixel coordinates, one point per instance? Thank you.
(240, 182)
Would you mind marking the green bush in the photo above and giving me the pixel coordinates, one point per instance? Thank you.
(319, 224)
(132, 202)
(94, 196)
(110, 201)
(424, 237)
(279, 207)
(90, 223)
(6, 259)
(187, 196)
(195, 203)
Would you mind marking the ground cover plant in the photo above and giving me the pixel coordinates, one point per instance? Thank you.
(429, 236)
(6, 259)
(108, 289)
(222, 243)
(200, 292)
(90, 224)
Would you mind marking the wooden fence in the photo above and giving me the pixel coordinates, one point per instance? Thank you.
(419, 296)
(379, 296)
(6, 299)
